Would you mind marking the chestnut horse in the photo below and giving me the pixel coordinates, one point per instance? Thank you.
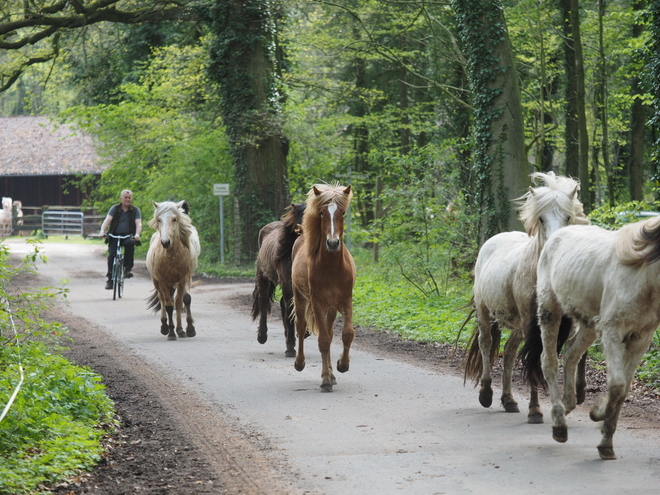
(172, 261)
(323, 276)
(274, 268)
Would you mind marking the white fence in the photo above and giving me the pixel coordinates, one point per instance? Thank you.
(54, 222)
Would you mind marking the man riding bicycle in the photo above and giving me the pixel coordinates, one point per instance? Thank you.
(123, 218)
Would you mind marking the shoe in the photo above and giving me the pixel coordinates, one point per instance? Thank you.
(108, 285)
(128, 274)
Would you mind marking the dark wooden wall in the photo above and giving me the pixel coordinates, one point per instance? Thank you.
(41, 190)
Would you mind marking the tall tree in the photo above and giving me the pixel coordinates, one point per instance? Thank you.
(637, 122)
(500, 160)
(244, 63)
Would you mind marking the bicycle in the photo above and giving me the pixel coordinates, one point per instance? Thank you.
(118, 267)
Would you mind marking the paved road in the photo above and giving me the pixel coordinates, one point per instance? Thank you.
(389, 427)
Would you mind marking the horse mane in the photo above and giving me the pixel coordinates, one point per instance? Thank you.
(311, 220)
(183, 220)
(639, 243)
(551, 190)
(288, 231)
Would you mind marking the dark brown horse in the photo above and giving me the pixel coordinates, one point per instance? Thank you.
(323, 276)
(274, 268)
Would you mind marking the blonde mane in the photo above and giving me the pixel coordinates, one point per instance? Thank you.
(639, 243)
(311, 220)
(559, 193)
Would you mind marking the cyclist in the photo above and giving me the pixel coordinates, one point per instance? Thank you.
(123, 218)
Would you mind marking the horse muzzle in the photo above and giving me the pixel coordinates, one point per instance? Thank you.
(332, 245)
(166, 243)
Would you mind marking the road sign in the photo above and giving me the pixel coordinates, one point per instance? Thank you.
(221, 189)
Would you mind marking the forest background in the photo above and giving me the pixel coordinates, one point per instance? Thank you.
(435, 112)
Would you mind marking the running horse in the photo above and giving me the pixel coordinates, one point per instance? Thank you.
(504, 281)
(274, 268)
(323, 276)
(609, 281)
(172, 261)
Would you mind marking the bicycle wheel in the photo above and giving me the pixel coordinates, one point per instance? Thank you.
(120, 285)
(116, 274)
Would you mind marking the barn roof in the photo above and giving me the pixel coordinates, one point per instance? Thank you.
(35, 146)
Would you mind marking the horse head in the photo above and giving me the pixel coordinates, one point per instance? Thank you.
(170, 221)
(551, 206)
(332, 214)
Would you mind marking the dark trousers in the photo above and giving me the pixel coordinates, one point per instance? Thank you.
(129, 249)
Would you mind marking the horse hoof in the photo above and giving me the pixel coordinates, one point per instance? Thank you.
(164, 330)
(262, 338)
(560, 433)
(511, 407)
(289, 353)
(171, 337)
(333, 380)
(181, 333)
(299, 367)
(535, 418)
(326, 387)
(606, 453)
(190, 332)
(486, 398)
(341, 367)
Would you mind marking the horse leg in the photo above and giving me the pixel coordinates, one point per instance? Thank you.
(510, 353)
(325, 340)
(576, 349)
(263, 289)
(485, 343)
(287, 314)
(178, 305)
(535, 415)
(622, 360)
(170, 322)
(301, 327)
(347, 336)
(190, 328)
(549, 321)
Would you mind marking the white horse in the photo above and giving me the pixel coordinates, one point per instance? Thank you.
(504, 281)
(608, 281)
(6, 217)
(172, 261)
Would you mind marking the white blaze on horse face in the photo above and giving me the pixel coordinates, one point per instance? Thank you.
(332, 209)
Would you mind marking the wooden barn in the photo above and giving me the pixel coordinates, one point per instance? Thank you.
(38, 161)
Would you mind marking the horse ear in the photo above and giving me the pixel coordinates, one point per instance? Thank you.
(156, 205)
(531, 190)
(184, 206)
(575, 191)
(316, 191)
(347, 190)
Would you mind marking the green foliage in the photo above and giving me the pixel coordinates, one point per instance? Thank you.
(616, 217)
(384, 300)
(424, 235)
(51, 430)
(164, 143)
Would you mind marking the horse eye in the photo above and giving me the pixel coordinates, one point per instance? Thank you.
(568, 219)
(541, 220)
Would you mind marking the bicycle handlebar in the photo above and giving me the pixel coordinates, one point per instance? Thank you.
(119, 236)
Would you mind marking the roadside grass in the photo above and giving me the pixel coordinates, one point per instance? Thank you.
(53, 428)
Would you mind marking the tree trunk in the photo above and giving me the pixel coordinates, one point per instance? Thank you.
(502, 169)
(571, 135)
(637, 126)
(245, 66)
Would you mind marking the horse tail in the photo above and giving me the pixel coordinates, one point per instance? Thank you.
(153, 302)
(256, 299)
(473, 362)
(312, 326)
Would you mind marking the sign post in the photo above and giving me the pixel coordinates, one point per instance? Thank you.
(221, 190)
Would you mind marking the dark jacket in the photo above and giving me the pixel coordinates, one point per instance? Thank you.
(115, 221)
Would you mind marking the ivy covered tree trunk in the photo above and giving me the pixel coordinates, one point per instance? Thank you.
(244, 63)
(637, 123)
(500, 162)
(653, 68)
